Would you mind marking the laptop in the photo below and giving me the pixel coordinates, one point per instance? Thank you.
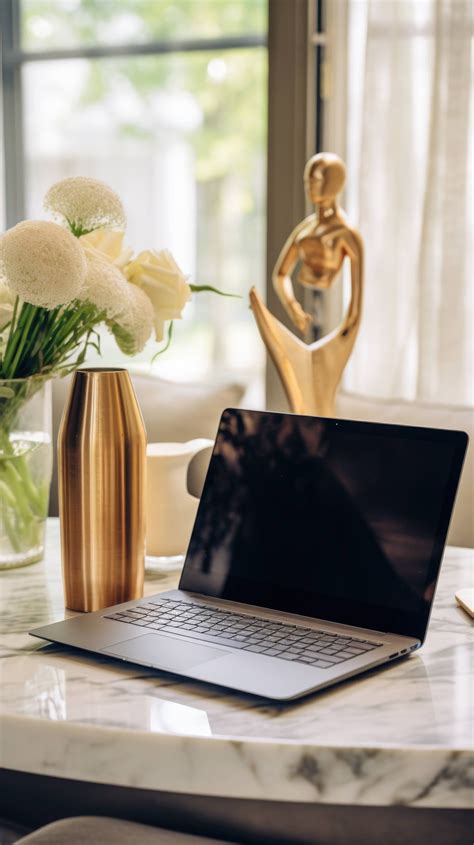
(314, 557)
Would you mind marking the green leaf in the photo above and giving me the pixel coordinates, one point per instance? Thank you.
(203, 288)
(167, 344)
(6, 392)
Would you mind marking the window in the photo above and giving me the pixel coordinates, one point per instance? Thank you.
(166, 101)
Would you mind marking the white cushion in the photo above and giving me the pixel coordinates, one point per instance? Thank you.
(171, 411)
(84, 830)
(356, 407)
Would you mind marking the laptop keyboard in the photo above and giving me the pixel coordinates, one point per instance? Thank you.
(248, 633)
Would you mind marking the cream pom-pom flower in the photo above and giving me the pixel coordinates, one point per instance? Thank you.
(134, 326)
(43, 263)
(85, 204)
(105, 286)
(128, 310)
(158, 274)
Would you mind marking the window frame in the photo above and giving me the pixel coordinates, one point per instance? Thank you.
(12, 118)
(14, 57)
(295, 44)
(295, 132)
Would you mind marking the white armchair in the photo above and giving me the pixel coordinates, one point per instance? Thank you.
(182, 411)
(357, 407)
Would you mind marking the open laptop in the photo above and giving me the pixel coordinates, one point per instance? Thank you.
(314, 557)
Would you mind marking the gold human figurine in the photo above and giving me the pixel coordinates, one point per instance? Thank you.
(311, 373)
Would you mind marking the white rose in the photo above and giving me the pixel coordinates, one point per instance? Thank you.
(109, 244)
(158, 275)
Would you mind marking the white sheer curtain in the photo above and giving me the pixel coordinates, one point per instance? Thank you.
(409, 155)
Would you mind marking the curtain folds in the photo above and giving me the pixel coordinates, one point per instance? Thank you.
(411, 191)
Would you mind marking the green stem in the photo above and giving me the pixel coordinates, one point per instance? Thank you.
(76, 322)
(13, 320)
(67, 320)
(13, 480)
(38, 332)
(167, 344)
(13, 337)
(27, 315)
(10, 531)
(23, 502)
(210, 289)
(7, 495)
(34, 494)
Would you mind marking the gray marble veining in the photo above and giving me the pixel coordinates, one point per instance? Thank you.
(399, 735)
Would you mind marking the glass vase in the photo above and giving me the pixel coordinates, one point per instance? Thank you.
(26, 461)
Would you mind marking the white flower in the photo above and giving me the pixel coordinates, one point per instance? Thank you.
(85, 204)
(159, 276)
(134, 326)
(108, 244)
(7, 301)
(105, 286)
(156, 273)
(128, 310)
(43, 263)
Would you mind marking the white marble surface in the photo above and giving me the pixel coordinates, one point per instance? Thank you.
(400, 735)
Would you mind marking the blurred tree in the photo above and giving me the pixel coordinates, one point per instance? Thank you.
(228, 89)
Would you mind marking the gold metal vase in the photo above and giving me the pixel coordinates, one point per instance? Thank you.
(102, 464)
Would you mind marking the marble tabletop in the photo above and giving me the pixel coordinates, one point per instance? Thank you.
(399, 735)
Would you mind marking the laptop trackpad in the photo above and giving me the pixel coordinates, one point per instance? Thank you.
(163, 652)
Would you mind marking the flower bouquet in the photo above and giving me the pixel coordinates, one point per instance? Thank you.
(60, 281)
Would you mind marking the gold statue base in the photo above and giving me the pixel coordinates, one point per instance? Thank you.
(310, 373)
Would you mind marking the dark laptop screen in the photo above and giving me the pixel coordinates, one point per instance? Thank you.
(333, 519)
